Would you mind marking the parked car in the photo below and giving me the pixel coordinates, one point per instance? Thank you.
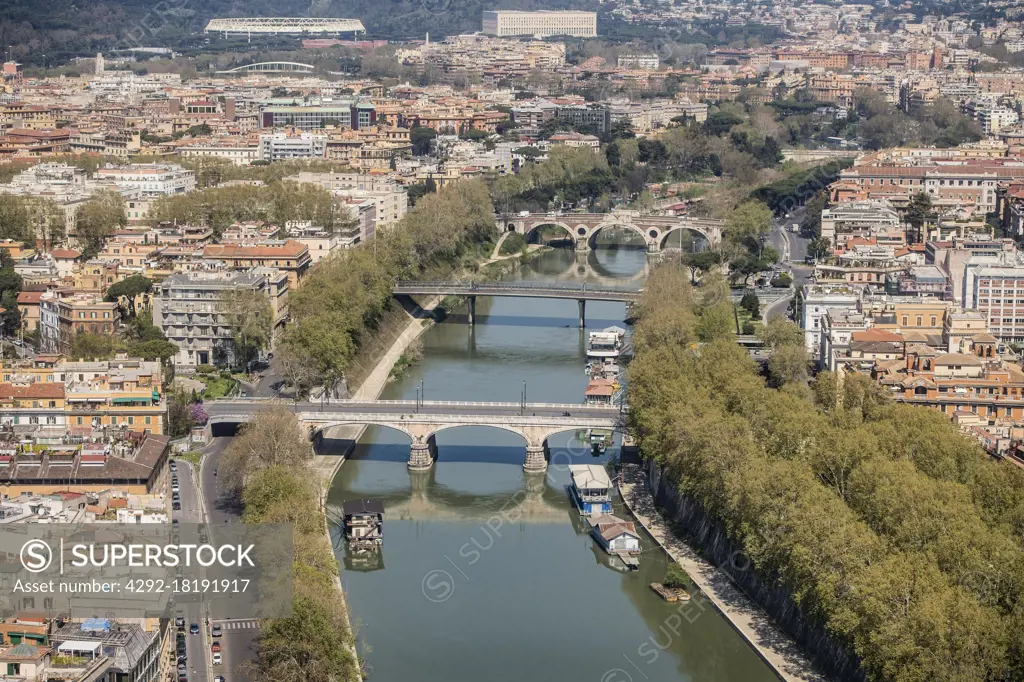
(179, 621)
(215, 647)
(216, 632)
(217, 659)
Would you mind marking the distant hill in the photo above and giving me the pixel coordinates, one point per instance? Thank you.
(61, 29)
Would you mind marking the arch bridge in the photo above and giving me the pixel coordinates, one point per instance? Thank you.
(422, 420)
(583, 228)
(272, 67)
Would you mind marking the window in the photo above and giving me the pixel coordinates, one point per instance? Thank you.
(933, 320)
(919, 321)
(905, 321)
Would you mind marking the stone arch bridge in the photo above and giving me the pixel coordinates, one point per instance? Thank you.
(583, 228)
(422, 420)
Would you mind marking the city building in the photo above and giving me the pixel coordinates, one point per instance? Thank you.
(189, 309)
(817, 300)
(61, 317)
(152, 179)
(540, 23)
(288, 255)
(282, 146)
(101, 397)
(340, 113)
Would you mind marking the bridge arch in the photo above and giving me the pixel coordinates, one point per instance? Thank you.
(592, 237)
(532, 230)
(325, 429)
(695, 231)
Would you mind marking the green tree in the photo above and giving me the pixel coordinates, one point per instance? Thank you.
(97, 219)
(125, 292)
(919, 211)
(701, 261)
(751, 304)
(87, 346)
(251, 319)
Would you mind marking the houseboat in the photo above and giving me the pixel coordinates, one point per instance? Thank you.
(364, 524)
(615, 536)
(590, 489)
(606, 344)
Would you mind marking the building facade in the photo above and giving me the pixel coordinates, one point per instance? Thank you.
(542, 23)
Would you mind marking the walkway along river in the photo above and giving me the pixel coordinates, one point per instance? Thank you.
(487, 572)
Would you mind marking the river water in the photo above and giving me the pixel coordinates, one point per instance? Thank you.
(487, 573)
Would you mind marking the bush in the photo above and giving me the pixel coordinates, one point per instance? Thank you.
(205, 369)
(783, 281)
(676, 577)
(513, 243)
(749, 328)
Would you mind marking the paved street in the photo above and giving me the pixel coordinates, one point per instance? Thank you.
(197, 646)
(237, 637)
(792, 250)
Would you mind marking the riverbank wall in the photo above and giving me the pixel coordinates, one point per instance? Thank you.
(798, 645)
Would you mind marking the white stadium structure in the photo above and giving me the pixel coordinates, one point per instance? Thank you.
(284, 25)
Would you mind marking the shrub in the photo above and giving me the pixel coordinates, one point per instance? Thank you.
(749, 328)
(676, 577)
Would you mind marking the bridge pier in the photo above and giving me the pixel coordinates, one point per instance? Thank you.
(422, 455)
(582, 245)
(472, 310)
(536, 458)
(582, 302)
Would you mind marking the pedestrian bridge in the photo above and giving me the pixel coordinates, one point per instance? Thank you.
(421, 420)
(582, 228)
(576, 291)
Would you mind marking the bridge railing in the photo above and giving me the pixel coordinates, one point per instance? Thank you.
(424, 403)
(417, 284)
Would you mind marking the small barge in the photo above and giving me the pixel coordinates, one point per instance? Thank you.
(364, 524)
(590, 489)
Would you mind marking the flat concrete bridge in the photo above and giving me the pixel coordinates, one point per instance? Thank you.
(581, 293)
(421, 420)
(582, 228)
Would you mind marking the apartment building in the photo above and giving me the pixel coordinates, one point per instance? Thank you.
(391, 199)
(33, 409)
(282, 146)
(344, 113)
(962, 186)
(101, 396)
(976, 383)
(997, 291)
(151, 179)
(818, 300)
(189, 309)
(241, 154)
(288, 255)
(541, 23)
(61, 317)
(858, 219)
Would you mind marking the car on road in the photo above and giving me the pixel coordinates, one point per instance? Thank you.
(175, 488)
(193, 629)
(173, 466)
(218, 678)
(176, 506)
(179, 621)
(217, 659)
(216, 632)
(215, 647)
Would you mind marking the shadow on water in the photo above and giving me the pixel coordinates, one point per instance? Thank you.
(528, 321)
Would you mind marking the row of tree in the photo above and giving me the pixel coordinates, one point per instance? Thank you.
(892, 532)
(277, 203)
(266, 469)
(342, 300)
